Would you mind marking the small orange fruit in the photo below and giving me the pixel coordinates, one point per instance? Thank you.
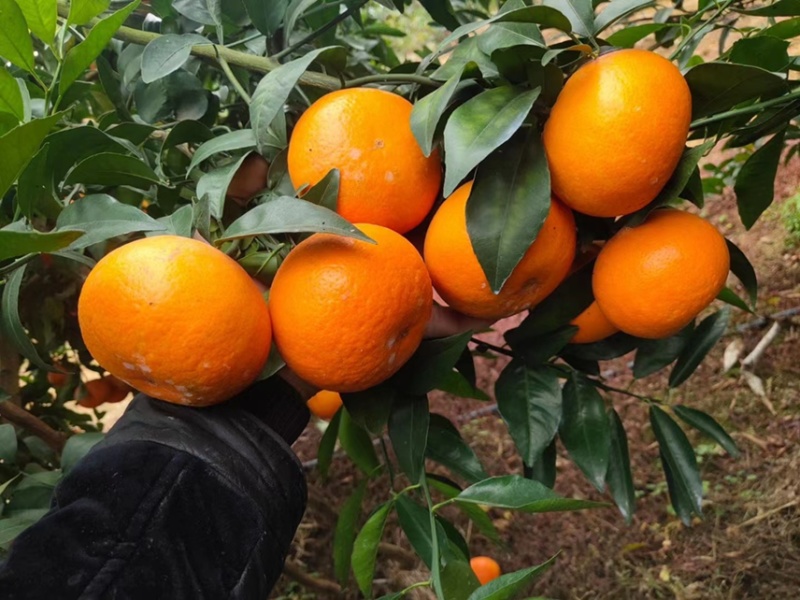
(592, 325)
(617, 132)
(324, 404)
(57, 380)
(366, 134)
(459, 279)
(347, 314)
(176, 319)
(249, 179)
(652, 280)
(102, 391)
(485, 568)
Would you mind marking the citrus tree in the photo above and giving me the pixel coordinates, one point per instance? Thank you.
(556, 145)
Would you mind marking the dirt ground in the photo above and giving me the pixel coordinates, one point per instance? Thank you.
(746, 546)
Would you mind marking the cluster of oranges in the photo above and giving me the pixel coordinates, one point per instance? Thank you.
(182, 321)
(106, 389)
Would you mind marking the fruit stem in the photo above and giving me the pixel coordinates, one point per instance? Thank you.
(397, 78)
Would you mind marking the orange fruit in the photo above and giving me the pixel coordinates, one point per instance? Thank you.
(101, 391)
(347, 314)
(457, 274)
(57, 380)
(486, 569)
(592, 325)
(175, 318)
(366, 134)
(324, 404)
(652, 280)
(617, 132)
(249, 179)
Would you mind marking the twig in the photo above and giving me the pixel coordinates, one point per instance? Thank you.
(483, 346)
(769, 513)
(299, 574)
(226, 68)
(751, 359)
(21, 417)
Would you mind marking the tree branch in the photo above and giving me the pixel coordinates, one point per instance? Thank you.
(21, 417)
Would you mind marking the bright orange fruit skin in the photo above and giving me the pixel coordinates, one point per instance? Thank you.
(176, 319)
(457, 274)
(324, 404)
(652, 280)
(347, 314)
(366, 134)
(485, 568)
(592, 325)
(617, 132)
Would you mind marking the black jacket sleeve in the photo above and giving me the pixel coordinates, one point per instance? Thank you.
(176, 503)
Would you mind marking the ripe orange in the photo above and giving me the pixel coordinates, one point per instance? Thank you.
(486, 569)
(324, 404)
(592, 325)
(104, 390)
(457, 274)
(249, 179)
(652, 280)
(366, 134)
(176, 319)
(617, 131)
(347, 314)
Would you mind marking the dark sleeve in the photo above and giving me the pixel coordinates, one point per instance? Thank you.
(176, 503)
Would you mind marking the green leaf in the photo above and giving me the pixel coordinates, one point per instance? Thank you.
(481, 125)
(455, 384)
(448, 448)
(15, 42)
(509, 585)
(784, 30)
(267, 17)
(545, 16)
(544, 470)
(214, 185)
(371, 408)
(168, 53)
(102, 218)
(11, 527)
(442, 12)
(579, 12)
(706, 424)
(584, 429)
(415, 523)
(327, 444)
(19, 243)
(240, 139)
(294, 12)
(77, 447)
(19, 146)
(756, 180)
(345, 533)
(612, 347)
(35, 187)
(178, 223)
(10, 323)
(508, 205)
(717, 87)
(274, 89)
(408, 430)
(728, 296)
(654, 355)
(357, 444)
(767, 52)
(517, 493)
(699, 344)
(428, 111)
(680, 465)
(431, 363)
(500, 36)
(744, 271)
(80, 57)
(529, 400)
(781, 8)
(365, 548)
(326, 192)
(41, 16)
(468, 59)
(110, 169)
(83, 11)
(475, 513)
(284, 214)
(618, 476)
(8, 444)
(10, 96)
(189, 132)
(628, 36)
(616, 10)
(74, 144)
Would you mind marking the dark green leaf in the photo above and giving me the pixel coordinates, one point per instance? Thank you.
(189, 132)
(508, 205)
(19, 243)
(706, 424)
(11, 527)
(77, 447)
(612, 347)
(19, 146)
(744, 271)
(466, 59)
(584, 429)
(178, 223)
(240, 139)
(408, 431)
(326, 192)
(327, 444)
(365, 548)
(544, 469)
(545, 16)
(8, 444)
(266, 16)
(15, 42)
(345, 533)
(616, 10)
(357, 444)
(442, 12)
(428, 111)
(500, 36)
(80, 57)
(102, 218)
(475, 513)
(458, 580)
(481, 125)
(284, 214)
(728, 296)
(618, 476)
(529, 400)
(756, 180)
(680, 465)
(579, 12)
(168, 53)
(781, 8)
(701, 341)
(10, 96)
(517, 493)
(214, 185)
(654, 355)
(431, 363)
(110, 169)
(767, 52)
(508, 586)
(41, 16)
(70, 146)
(10, 323)
(456, 384)
(628, 36)
(448, 448)
(539, 350)
(371, 408)
(415, 522)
